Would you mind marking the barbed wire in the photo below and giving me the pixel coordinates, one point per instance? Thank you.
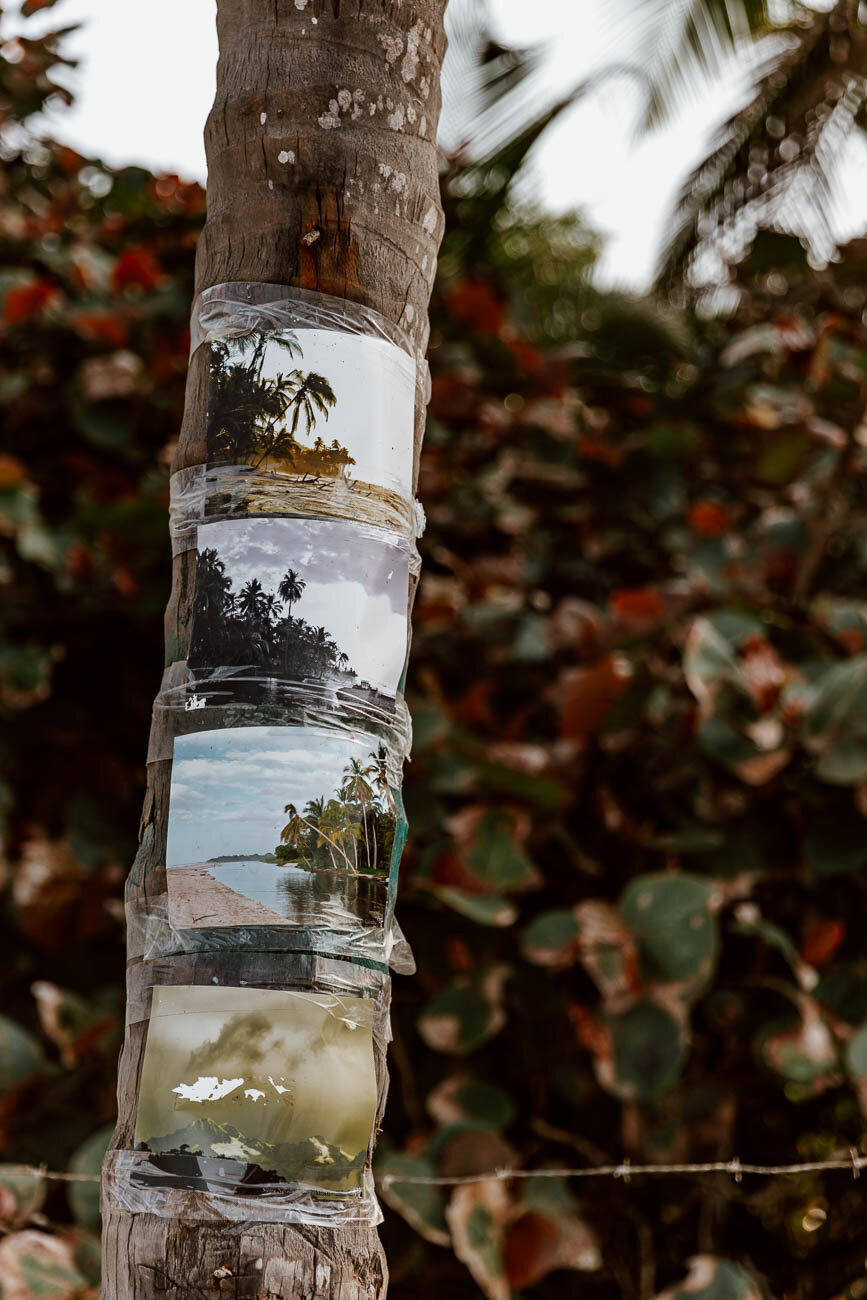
(735, 1168)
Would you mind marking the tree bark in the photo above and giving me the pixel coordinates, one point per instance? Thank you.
(322, 174)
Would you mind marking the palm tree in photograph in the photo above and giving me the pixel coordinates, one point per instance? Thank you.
(324, 650)
(378, 770)
(291, 589)
(259, 340)
(245, 409)
(310, 395)
(357, 788)
(341, 828)
(253, 601)
(294, 830)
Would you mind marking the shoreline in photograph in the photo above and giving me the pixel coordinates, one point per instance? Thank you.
(197, 901)
(201, 897)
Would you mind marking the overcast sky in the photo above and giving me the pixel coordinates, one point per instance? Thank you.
(278, 1066)
(229, 787)
(147, 82)
(374, 386)
(357, 584)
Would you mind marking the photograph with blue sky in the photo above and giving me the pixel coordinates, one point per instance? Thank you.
(230, 787)
(279, 826)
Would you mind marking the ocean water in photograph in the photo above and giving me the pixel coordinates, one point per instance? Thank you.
(279, 826)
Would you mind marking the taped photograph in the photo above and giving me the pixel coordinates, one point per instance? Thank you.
(270, 1086)
(311, 601)
(330, 412)
(279, 826)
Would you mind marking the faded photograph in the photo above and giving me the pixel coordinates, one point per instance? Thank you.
(278, 1086)
(279, 826)
(330, 410)
(301, 600)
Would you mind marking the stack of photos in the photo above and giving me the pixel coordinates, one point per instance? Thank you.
(327, 412)
(279, 826)
(246, 1088)
(313, 603)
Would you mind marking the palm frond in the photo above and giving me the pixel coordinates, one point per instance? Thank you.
(691, 41)
(774, 161)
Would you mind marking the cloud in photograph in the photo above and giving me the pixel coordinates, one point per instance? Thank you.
(229, 787)
(258, 1068)
(356, 584)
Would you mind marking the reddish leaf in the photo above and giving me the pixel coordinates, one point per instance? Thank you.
(587, 695)
(710, 519)
(25, 301)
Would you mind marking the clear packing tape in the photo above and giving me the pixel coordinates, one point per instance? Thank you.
(261, 905)
(354, 462)
(259, 1096)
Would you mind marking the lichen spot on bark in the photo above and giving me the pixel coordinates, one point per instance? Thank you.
(392, 44)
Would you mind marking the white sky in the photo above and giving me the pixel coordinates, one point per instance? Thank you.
(147, 83)
(356, 585)
(374, 389)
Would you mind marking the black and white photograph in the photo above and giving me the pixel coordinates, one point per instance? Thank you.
(321, 602)
(278, 1086)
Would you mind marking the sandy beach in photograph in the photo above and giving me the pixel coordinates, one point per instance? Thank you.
(197, 900)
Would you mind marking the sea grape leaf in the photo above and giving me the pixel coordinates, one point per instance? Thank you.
(462, 1097)
(551, 939)
(477, 1215)
(647, 1051)
(37, 1266)
(712, 1278)
(548, 1233)
(484, 909)
(22, 1194)
(672, 917)
(87, 1159)
(20, 1055)
(422, 1206)
(465, 1014)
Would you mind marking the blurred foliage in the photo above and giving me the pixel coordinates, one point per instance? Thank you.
(635, 885)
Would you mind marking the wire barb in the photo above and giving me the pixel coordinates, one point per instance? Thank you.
(624, 1172)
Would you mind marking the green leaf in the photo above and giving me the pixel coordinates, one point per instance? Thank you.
(424, 1208)
(552, 939)
(495, 856)
(484, 909)
(466, 1014)
(671, 916)
(39, 1266)
(87, 1159)
(20, 1055)
(22, 1194)
(465, 1098)
(711, 1278)
(856, 1055)
(649, 1050)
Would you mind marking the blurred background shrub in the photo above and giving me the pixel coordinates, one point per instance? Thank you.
(635, 882)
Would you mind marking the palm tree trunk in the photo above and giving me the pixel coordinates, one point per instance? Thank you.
(306, 187)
